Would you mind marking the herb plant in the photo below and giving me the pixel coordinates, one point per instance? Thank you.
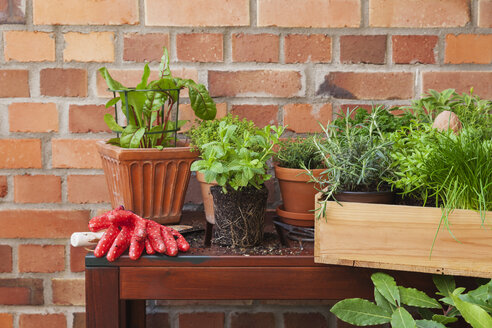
(150, 104)
(298, 153)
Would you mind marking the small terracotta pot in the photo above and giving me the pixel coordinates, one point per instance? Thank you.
(379, 197)
(208, 201)
(150, 182)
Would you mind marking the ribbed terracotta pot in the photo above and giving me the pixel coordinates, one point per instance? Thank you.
(208, 201)
(150, 182)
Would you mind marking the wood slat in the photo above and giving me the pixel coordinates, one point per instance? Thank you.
(102, 298)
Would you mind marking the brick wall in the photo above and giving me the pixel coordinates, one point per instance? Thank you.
(273, 61)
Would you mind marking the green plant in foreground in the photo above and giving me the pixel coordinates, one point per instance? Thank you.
(395, 305)
(149, 120)
(298, 153)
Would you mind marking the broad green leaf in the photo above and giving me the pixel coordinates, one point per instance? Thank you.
(136, 100)
(483, 304)
(383, 302)
(445, 284)
(386, 285)
(137, 137)
(425, 313)
(429, 324)
(164, 65)
(111, 123)
(112, 102)
(360, 312)
(444, 319)
(481, 293)
(112, 84)
(127, 135)
(473, 314)
(201, 102)
(114, 141)
(145, 78)
(414, 297)
(402, 319)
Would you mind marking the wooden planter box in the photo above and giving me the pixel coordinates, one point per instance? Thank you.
(400, 238)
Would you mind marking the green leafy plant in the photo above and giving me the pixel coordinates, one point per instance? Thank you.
(296, 153)
(148, 107)
(395, 305)
(238, 160)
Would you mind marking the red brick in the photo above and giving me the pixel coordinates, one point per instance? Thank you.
(254, 83)
(200, 47)
(37, 189)
(294, 320)
(419, 13)
(368, 49)
(41, 258)
(68, 291)
(158, 320)
(20, 153)
(42, 223)
(412, 49)
(27, 46)
(262, 48)
(187, 113)
(301, 48)
(144, 47)
(55, 320)
(261, 115)
(79, 320)
(33, 117)
(75, 12)
(257, 320)
(84, 189)
(6, 320)
(468, 49)
(485, 13)
(15, 15)
(77, 259)
(75, 153)
(201, 319)
(355, 85)
(4, 187)
(304, 118)
(63, 82)
(197, 13)
(14, 83)
(461, 81)
(309, 13)
(6, 259)
(20, 291)
(88, 118)
(89, 47)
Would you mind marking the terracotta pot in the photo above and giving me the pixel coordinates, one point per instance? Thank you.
(150, 182)
(208, 201)
(379, 197)
(295, 219)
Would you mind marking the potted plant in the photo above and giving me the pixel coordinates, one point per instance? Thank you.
(292, 158)
(147, 169)
(238, 163)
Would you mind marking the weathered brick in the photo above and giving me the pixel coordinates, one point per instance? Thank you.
(37, 189)
(4, 11)
(79, 320)
(6, 256)
(77, 259)
(309, 13)
(63, 82)
(84, 189)
(262, 48)
(88, 118)
(468, 49)
(261, 115)
(294, 320)
(4, 187)
(302, 48)
(89, 47)
(461, 81)
(201, 319)
(26, 46)
(187, 113)
(418, 13)
(68, 291)
(485, 13)
(144, 47)
(14, 83)
(12, 12)
(20, 153)
(200, 47)
(21, 291)
(6, 320)
(75, 153)
(257, 320)
(41, 258)
(368, 49)
(33, 117)
(361, 85)
(259, 83)
(158, 320)
(197, 13)
(75, 12)
(42, 223)
(55, 320)
(304, 118)
(411, 49)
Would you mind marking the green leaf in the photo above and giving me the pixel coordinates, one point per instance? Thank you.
(127, 135)
(112, 84)
(483, 304)
(402, 319)
(111, 123)
(114, 141)
(481, 293)
(145, 78)
(429, 324)
(444, 319)
(382, 302)
(445, 284)
(425, 313)
(473, 314)
(201, 102)
(414, 297)
(112, 102)
(360, 312)
(136, 138)
(164, 65)
(386, 285)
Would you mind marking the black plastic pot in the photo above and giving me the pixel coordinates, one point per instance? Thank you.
(379, 197)
(239, 216)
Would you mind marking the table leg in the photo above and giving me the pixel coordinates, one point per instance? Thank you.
(102, 298)
(135, 313)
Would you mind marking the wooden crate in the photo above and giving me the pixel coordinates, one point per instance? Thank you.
(400, 238)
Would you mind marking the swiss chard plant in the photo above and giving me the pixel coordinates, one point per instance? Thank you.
(149, 106)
